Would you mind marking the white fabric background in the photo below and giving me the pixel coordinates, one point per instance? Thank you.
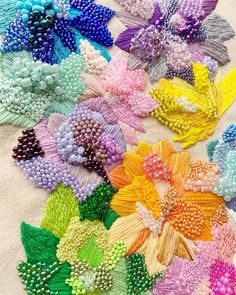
(21, 201)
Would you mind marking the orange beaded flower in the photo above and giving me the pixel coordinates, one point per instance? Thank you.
(165, 202)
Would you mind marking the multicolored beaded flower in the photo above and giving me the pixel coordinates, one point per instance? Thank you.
(166, 37)
(166, 203)
(116, 92)
(32, 90)
(70, 253)
(51, 29)
(223, 152)
(75, 150)
(193, 111)
(74, 250)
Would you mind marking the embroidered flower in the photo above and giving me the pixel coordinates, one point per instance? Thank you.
(169, 36)
(223, 153)
(166, 202)
(117, 94)
(51, 29)
(193, 111)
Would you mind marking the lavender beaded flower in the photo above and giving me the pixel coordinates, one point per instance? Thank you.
(166, 37)
(76, 151)
(51, 29)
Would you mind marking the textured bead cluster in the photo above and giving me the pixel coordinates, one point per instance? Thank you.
(186, 105)
(36, 275)
(229, 135)
(28, 147)
(101, 195)
(178, 56)
(116, 253)
(16, 37)
(138, 279)
(91, 278)
(189, 8)
(212, 65)
(47, 175)
(142, 8)
(81, 139)
(64, 8)
(188, 219)
(25, 7)
(15, 100)
(225, 186)
(202, 176)
(142, 104)
(37, 76)
(65, 33)
(222, 278)
(76, 285)
(155, 168)
(92, 22)
(155, 225)
(147, 43)
(95, 62)
(70, 71)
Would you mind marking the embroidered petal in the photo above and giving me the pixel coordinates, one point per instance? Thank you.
(218, 28)
(118, 177)
(124, 39)
(217, 50)
(140, 190)
(143, 149)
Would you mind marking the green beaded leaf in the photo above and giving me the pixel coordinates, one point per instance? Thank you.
(39, 244)
(96, 206)
(57, 282)
(109, 218)
(119, 275)
(138, 278)
(91, 253)
(35, 277)
(61, 206)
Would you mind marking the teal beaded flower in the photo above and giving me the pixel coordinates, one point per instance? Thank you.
(51, 29)
(31, 90)
(223, 152)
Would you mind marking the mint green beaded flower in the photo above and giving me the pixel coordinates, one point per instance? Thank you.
(31, 90)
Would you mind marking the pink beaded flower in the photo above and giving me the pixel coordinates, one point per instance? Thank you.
(118, 94)
(166, 37)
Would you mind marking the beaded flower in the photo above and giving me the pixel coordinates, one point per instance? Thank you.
(193, 111)
(51, 29)
(166, 37)
(211, 272)
(166, 203)
(118, 94)
(31, 90)
(70, 253)
(223, 152)
(75, 150)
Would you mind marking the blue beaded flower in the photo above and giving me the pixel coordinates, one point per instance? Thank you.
(223, 152)
(51, 29)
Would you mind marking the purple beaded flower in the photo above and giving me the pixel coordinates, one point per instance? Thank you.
(76, 150)
(165, 38)
(51, 29)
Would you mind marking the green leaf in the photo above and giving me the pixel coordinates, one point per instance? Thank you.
(61, 206)
(57, 282)
(91, 253)
(39, 244)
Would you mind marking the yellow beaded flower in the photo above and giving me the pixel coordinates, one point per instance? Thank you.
(166, 203)
(192, 111)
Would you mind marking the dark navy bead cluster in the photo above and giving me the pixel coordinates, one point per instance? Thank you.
(65, 33)
(16, 37)
(186, 74)
(41, 38)
(28, 146)
(95, 11)
(92, 29)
